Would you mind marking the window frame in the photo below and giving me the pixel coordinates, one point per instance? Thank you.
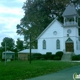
(44, 44)
(57, 44)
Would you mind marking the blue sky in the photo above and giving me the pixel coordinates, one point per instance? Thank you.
(10, 14)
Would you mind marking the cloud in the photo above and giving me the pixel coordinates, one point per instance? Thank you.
(12, 3)
(11, 13)
(8, 11)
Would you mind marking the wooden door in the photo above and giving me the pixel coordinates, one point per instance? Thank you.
(69, 47)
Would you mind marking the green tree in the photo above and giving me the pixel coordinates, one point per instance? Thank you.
(9, 42)
(19, 44)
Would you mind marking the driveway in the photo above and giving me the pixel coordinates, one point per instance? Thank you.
(66, 74)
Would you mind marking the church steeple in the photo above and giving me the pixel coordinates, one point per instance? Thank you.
(70, 15)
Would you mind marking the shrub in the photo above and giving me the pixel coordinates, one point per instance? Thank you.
(58, 55)
(43, 57)
(36, 56)
(76, 57)
(56, 58)
(48, 55)
(53, 55)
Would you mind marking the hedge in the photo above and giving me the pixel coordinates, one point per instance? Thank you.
(58, 55)
(76, 57)
(36, 56)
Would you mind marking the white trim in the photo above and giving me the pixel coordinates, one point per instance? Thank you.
(58, 37)
(48, 27)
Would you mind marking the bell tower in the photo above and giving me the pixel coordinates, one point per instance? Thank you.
(70, 16)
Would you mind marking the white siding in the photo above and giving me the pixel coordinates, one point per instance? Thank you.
(51, 39)
(74, 31)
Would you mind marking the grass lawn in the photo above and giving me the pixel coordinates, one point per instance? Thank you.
(20, 70)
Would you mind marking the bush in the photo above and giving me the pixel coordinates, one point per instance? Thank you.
(58, 55)
(48, 55)
(56, 58)
(36, 56)
(76, 57)
(43, 57)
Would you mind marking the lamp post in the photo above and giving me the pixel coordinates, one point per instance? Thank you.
(30, 49)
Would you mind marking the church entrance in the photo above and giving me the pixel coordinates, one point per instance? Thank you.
(69, 45)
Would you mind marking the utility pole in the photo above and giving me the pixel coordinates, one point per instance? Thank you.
(5, 53)
(30, 48)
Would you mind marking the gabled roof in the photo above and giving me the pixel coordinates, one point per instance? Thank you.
(70, 10)
(48, 27)
(69, 40)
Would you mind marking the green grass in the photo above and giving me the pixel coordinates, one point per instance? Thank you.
(20, 70)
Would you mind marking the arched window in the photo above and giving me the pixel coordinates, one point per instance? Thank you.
(57, 44)
(44, 44)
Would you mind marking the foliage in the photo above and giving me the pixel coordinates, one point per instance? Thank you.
(58, 55)
(8, 42)
(76, 57)
(56, 58)
(39, 56)
(19, 44)
(20, 70)
(1, 50)
(38, 14)
(16, 55)
(36, 56)
(43, 57)
(48, 55)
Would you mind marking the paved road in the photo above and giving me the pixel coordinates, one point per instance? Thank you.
(66, 74)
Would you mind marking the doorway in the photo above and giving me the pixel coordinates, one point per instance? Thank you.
(69, 45)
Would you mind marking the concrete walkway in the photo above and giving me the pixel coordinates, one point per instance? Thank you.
(66, 74)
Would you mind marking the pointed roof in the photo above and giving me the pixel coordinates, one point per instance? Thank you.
(70, 10)
(48, 27)
(69, 40)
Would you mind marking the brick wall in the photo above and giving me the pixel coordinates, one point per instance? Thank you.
(23, 56)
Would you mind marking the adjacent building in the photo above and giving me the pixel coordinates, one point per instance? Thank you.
(8, 55)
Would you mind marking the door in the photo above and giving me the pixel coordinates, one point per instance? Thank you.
(69, 47)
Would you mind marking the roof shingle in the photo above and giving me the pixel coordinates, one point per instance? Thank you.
(70, 10)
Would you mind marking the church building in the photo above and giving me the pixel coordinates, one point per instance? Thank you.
(61, 36)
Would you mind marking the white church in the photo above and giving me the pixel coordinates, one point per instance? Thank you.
(61, 36)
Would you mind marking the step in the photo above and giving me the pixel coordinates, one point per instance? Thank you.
(66, 57)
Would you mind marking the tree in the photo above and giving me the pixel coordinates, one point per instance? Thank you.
(1, 50)
(9, 42)
(38, 14)
(19, 44)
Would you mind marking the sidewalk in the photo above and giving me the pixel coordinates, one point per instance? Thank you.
(66, 74)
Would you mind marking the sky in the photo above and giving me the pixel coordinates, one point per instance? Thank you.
(11, 13)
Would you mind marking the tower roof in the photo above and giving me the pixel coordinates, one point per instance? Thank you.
(70, 11)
